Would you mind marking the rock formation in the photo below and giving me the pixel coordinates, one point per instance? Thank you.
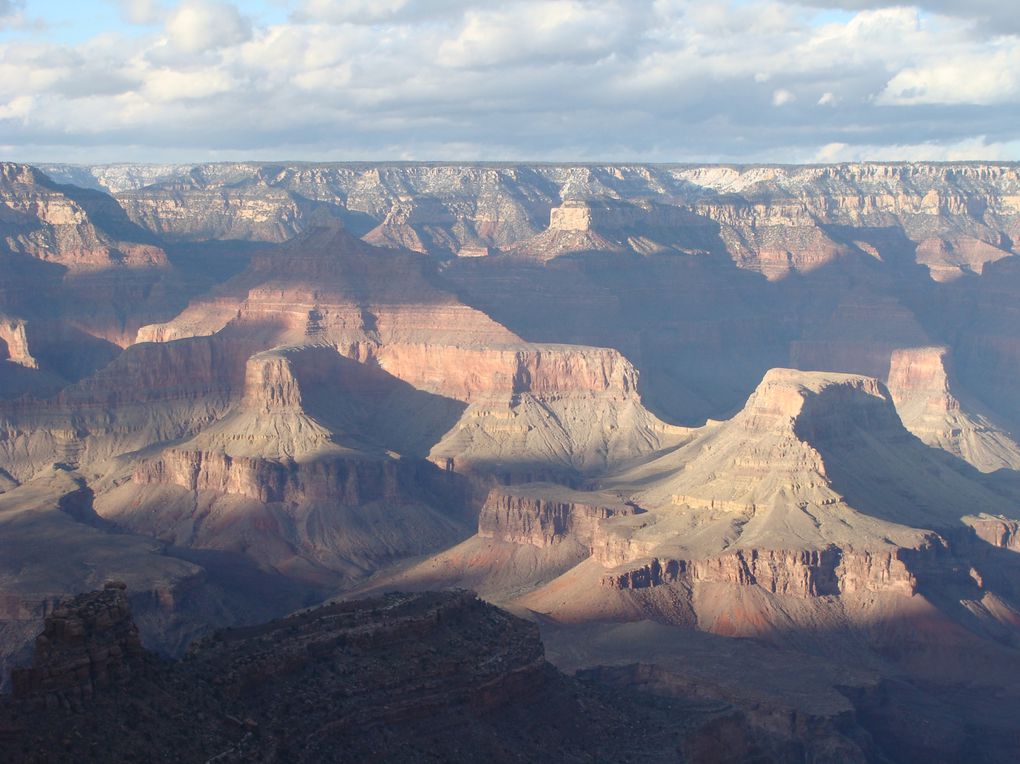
(754, 401)
(52, 545)
(87, 644)
(527, 517)
(404, 676)
(926, 402)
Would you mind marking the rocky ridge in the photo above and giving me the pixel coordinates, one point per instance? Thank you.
(773, 219)
(405, 677)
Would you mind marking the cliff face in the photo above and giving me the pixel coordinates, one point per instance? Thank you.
(1000, 532)
(53, 545)
(76, 271)
(59, 225)
(350, 482)
(299, 473)
(524, 519)
(800, 573)
(919, 380)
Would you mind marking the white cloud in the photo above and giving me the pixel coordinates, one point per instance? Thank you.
(983, 77)
(167, 85)
(200, 25)
(828, 99)
(354, 11)
(17, 108)
(542, 30)
(781, 97)
(976, 148)
(998, 16)
(374, 12)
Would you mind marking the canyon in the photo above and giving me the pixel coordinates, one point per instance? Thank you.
(692, 421)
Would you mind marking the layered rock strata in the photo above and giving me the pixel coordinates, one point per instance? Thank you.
(774, 220)
(529, 518)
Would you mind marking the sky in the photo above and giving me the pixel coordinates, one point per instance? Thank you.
(96, 81)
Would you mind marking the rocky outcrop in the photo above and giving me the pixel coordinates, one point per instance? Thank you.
(775, 215)
(1000, 532)
(786, 510)
(485, 374)
(88, 644)
(430, 675)
(350, 482)
(773, 220)
(57, 224)
(515, 669)
(531, 519)
(800, 573)
(14, 343)
(810, 728)
(919, 381)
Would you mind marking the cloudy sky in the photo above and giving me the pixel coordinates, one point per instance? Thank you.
(569, 80)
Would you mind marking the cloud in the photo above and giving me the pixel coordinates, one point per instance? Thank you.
(200, 25)
(982, 78)
(538, 32)
(997, 16)
(353, 11)
(977, 148)
(380, 11)
(781, 97)
(10, 12)
(662, 80)
(143, 12)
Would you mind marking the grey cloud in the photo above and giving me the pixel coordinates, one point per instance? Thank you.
(385, 11)
(8, 8)
(995, 16)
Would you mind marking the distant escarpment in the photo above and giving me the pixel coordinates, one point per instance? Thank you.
(774, 220)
